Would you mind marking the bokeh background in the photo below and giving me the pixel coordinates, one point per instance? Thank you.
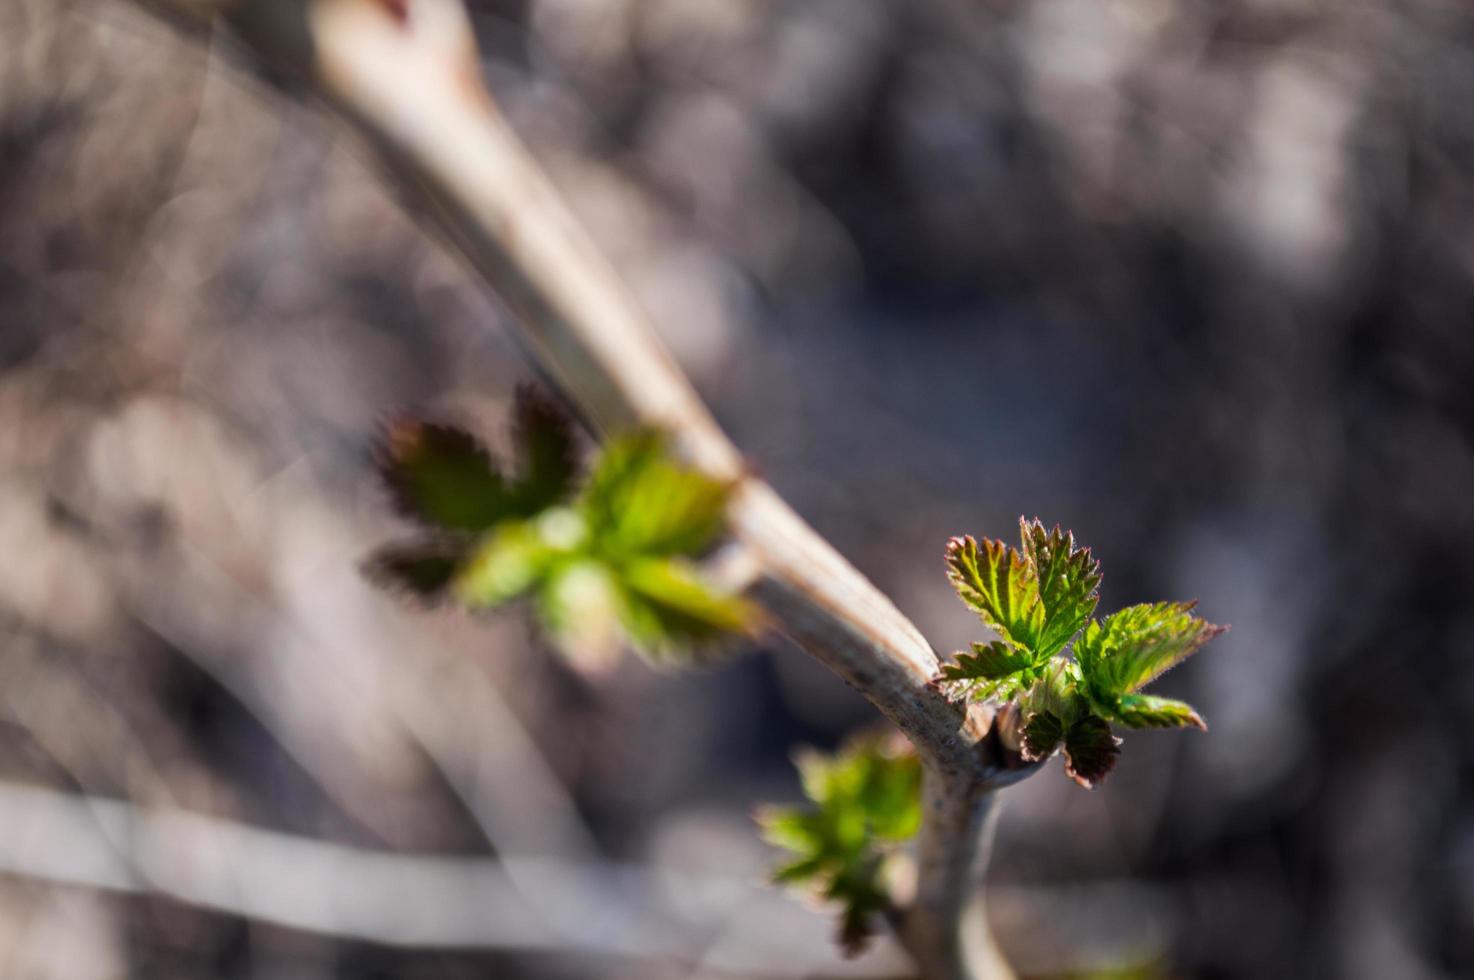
(1192, 277)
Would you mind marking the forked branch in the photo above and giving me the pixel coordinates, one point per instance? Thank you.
(405, 74)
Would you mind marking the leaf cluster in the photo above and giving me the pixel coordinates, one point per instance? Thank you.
(1038, 598)
(600, 558)
(866, 802)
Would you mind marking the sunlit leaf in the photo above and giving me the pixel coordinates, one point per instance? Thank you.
(1000, 585)
(866, 800)
(640, 502)
(988, 661)
(1136, 644)
(1069, 580)
(1147, 711)
(667, 605)
(606, 563)
(505, 564)
(993, 670)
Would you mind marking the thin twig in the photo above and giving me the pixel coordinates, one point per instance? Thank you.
(411, 901)
(405, 73)
(722, 924)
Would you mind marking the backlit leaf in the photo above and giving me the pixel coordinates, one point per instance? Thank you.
(640, 502)
(1136, 644)
(1147, 711)
(866, 800)
(988, 661)
(667, 605)
(1069, 580)
(505, 564)
(1000, 585)
(992, 670)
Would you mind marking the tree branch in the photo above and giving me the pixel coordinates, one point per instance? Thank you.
(405, 73)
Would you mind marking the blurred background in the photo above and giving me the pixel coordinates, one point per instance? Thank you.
(1191, 277)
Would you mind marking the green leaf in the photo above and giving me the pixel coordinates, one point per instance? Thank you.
(865, 899)
(608, 564)
(1001, 585)
(423, 568)
(993, 670)
(1090, 750)
(892, 797)
(505, 564)
(876, 780)
(666, 604)
(1040, 599)
(988, 662)
(640, 502)
(1069, 580)
(442, 476)
(866, 802)
(1147, 711)
(793, 830)
(543, 435)
(1136, 644)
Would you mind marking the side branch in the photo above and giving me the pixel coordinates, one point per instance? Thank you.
(405, 73)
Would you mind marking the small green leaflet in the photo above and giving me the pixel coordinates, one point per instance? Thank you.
(666, 606)
(1069, 583)
(1039, 598)
(1138, 643)
(866, 800)
(442, 476)
(639, 501)
(507, 562)
(992, 670)
(609, 559)
(1146, 711)
(1073, 706)
(1001, 585)
(1036, 599)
